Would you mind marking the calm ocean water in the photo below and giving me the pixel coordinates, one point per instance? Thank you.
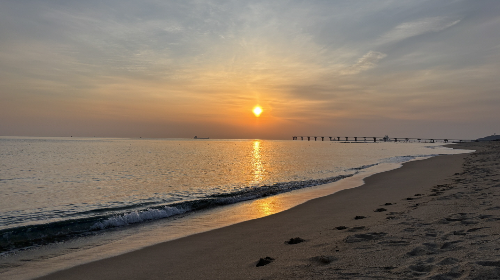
(57, 189)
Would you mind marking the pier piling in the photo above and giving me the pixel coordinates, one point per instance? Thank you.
(384, 139)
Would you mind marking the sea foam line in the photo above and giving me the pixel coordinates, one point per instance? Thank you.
(52, 232)
(138, 216)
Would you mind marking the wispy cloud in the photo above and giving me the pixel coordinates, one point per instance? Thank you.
(415, 28)
(367, 61)
(207, 62)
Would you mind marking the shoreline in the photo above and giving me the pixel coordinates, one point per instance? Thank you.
(232, 252)
(64, 256)
(51, 216)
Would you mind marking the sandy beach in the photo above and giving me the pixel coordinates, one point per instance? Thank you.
(435, 218)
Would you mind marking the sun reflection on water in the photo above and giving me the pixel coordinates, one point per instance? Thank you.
(257, 165)
(267, 206)
(259, 170)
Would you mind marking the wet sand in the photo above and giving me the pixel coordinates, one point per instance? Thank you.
(436, 218)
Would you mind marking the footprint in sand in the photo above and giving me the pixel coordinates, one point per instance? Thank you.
(421, 267)
(354, 229)
(295, 240)
(394, 243)
(364, 237)
(448, 261)
(323, 259)
(489, 263)
(264, 261)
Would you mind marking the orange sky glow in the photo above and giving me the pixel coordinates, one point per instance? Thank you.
(171, 72)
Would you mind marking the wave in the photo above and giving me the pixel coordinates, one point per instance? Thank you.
(402, 159)
(33, 235)
(105, 218)
(137, 217)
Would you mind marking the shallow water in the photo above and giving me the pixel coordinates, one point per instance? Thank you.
(89, 192)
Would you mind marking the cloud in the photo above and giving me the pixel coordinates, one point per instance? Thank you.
(414, 28)
(366, 62)
(206, 62)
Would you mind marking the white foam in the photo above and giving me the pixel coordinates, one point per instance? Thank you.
(138, 216)
(402, 159)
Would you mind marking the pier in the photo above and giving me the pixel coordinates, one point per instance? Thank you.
(372, 139)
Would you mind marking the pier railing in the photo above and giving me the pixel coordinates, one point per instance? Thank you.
(378, 139)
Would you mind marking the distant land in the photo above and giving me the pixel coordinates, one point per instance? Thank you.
(493, 137)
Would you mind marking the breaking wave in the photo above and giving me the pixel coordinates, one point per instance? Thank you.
(105, 218)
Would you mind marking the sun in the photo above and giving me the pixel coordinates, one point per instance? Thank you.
(257, 110)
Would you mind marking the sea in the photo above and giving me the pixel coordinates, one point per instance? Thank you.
(65, 201)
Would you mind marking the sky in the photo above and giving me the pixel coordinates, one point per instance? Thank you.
(176, 69)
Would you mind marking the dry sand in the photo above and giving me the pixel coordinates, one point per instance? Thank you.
(436, 218)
